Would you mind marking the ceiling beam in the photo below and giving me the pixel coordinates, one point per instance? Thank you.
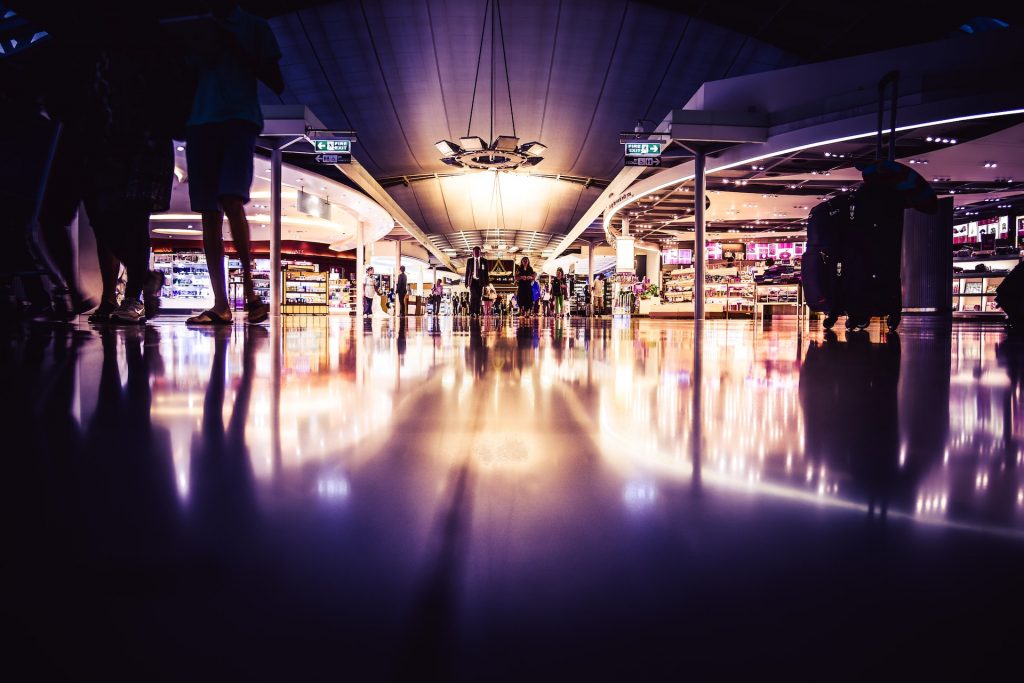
(358, 174)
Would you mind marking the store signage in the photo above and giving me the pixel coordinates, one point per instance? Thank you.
(624, 255)
(643, 149)
(643, 161)
(333, 159)
(333, 146)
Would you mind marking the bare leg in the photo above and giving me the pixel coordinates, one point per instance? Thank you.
(213, 245)
(235, 210)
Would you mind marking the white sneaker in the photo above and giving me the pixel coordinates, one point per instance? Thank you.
(130, 311)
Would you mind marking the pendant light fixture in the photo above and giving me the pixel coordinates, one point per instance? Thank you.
(504, 151)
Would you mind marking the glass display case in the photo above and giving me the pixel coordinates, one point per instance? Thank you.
(305, 291)
(974, 285)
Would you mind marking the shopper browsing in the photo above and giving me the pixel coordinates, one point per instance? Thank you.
(369, 292)
(221, 136)
(490, 295)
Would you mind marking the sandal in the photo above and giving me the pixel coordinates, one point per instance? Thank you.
(257, 311)
(208, 318)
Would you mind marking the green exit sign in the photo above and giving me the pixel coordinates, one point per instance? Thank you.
(333, 146)
(643, 149)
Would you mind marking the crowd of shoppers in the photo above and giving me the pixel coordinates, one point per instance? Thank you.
(112, 101)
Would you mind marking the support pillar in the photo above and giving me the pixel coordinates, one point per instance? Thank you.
(276, 284)
(699, 247)
(360, 266)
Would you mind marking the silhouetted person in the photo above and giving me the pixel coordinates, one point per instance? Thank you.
(402, 292)
(221, 135)
(115, 100)
(524, 287)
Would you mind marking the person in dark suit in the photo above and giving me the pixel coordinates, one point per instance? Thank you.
(402, 292)
(477, 270)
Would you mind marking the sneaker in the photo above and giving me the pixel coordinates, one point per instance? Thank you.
(131, 311)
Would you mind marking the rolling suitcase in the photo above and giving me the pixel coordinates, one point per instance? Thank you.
(820, 268)
(868, 236)
(870, 282)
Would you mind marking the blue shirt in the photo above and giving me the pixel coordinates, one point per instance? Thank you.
(227, 88)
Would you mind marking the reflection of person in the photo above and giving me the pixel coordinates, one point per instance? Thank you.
(221, 135)
(402, 292)
(477, 271)
(524, 287)
(223, 501)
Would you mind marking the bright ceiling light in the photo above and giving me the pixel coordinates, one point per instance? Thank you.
(506, 143)
(534, 149)
(447, 148)
(177, 231)
(473, 143)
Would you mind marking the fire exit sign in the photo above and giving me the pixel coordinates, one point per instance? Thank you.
(643, 149)
(333, 146)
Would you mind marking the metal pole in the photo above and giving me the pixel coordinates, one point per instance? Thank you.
(590, 276)
(360, 268)
(276, 290)
(700, 257)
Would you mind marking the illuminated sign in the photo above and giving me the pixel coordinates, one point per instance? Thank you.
(624, 262)
(643, 149)
(333, 146)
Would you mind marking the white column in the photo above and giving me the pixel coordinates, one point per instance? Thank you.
(276, 293)
(360, 266)
(394, 280)
(590, 264)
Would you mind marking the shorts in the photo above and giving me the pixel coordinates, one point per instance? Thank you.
(219, 158)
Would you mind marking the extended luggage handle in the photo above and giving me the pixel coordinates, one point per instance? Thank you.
(891, 78)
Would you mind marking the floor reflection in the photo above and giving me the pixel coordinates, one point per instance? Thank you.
(442, 482)
(852, 421)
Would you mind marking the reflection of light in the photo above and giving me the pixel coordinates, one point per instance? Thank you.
(332, 487)
(638, 495)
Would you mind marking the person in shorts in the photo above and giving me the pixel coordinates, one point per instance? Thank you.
(221, 138)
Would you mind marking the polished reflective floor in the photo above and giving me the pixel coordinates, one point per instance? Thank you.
(557, 500)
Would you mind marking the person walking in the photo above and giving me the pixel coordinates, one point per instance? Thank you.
(436, 294)
(221, 137)
(558, 288)
(477, 270)
(545, 300)
(599, 295)
(402, 292)
(524, 287)
(490, 295)
(369, 292)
